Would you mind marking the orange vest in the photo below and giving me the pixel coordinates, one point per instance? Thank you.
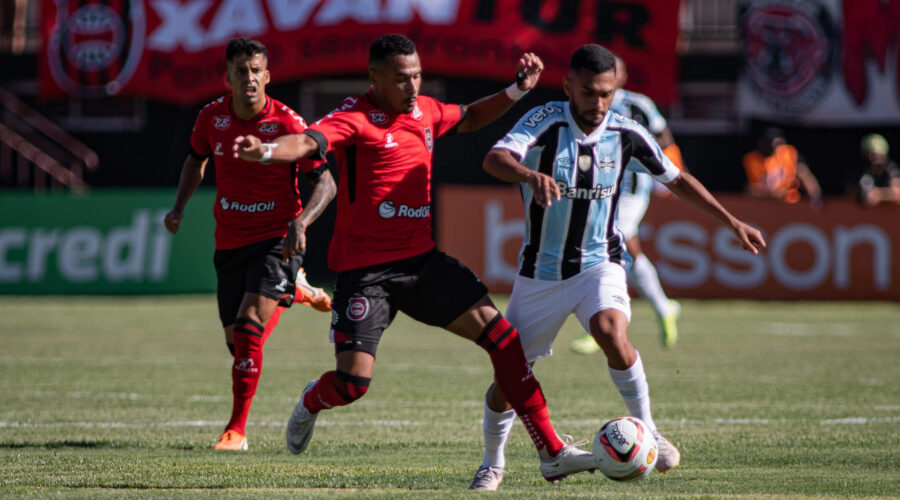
(774, 175)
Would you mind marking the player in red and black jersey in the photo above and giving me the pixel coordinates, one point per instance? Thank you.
(382, 246)
(260, 221)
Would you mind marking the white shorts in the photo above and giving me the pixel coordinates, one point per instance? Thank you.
(631, 213)
(538, 308)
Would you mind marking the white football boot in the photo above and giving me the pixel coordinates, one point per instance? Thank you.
(487, 479)
(669, 456)
(300, 425)
(570, 460)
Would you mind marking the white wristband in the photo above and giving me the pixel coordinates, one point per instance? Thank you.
(267, 154)
(514, 92)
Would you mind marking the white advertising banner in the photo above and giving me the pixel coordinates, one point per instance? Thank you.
(820, 62)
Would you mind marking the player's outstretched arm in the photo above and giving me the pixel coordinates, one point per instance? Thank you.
(501, 164)
(688, 188)
(285, 149)
(323, 192)
(191, 177)
(487, 109)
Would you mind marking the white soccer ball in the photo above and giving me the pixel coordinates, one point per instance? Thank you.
(625, 449)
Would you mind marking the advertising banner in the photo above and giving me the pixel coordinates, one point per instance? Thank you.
(844, 251)
(826, 62)
(105, 242)
(173, 50)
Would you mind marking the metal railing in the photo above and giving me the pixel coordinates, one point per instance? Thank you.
(708, 26)
(36, 153)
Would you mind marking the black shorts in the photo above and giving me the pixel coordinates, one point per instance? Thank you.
(255, 268)
(433, 288)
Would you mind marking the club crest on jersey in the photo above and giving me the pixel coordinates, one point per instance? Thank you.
(417, 113)
(606, 164)
(429, 139)
(358, 309)
(377, 117)
(221, 122)
(268, 128)
(585, 162)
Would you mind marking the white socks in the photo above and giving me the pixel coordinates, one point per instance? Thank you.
(643, 276)
(632, 385)
(496, 429)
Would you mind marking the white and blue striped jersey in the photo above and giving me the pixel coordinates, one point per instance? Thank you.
(578, 232)
(641, 109)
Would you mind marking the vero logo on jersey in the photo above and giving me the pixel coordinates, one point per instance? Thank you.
(541, 114)
(597, 192)
(388, 210)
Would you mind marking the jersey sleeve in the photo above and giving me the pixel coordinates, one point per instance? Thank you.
(446, 117)
(295, 124)
(199, 143)
(526, 132)
(649, 156)
(337, 129)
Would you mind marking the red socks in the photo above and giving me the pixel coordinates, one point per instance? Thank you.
(518, 384)
(249, 338)
(335, 388)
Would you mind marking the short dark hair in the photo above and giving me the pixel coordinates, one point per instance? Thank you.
(594, 58)
(390, 45)
(246, 47)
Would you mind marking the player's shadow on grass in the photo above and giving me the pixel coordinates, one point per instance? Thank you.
(66, 444)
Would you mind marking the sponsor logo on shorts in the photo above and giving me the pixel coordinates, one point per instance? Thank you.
(358, 309)
(388, 210)
(221, 122)
(619, 299)
(250, 208)
(597, 192)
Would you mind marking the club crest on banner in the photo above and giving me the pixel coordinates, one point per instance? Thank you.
(94, 49)
(789, 50)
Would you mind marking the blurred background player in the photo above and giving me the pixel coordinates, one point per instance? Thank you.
(634, 198)
(776, 170)
(383, 249)
(260, 222)
(569, 158)
(879, 180)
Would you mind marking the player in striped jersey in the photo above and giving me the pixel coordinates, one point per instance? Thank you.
(570, 158)
(633, 202)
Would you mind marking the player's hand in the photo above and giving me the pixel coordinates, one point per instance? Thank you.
(545, 189)
(173, 220)
(294, 242)
(247, 147)
(750, 237)
(531, 66)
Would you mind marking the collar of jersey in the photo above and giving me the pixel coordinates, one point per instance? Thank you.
(580, 136)
(372, 102)
(229, 99)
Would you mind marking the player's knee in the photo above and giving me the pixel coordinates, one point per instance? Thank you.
(351, 387)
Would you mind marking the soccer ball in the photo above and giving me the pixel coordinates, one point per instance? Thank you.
(625, 449)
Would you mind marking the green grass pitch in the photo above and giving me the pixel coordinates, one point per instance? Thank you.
(124, 397)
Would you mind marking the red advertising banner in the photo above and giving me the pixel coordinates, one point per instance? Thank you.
(844, 251)
(173, 50)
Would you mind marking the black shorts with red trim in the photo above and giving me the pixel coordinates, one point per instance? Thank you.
(433, 288)
(255, 268)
